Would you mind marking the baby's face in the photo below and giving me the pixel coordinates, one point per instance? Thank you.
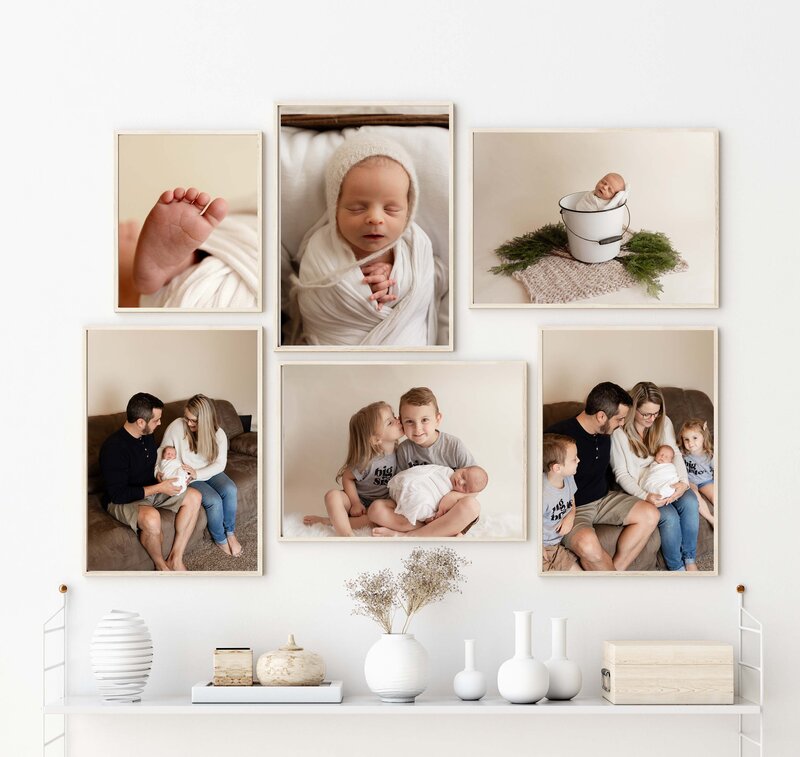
(608, 186)
(373, 206)
(168, 453)
(468, 480)
(664, 455)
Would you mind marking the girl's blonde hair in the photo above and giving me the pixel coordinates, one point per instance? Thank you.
(702, 427)
(645, 391)
(204, 440)
(363, 444)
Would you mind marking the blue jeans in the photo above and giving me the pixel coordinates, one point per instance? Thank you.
(678, 527)
(219, 501)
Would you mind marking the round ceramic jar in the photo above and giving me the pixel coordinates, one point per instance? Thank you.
(290, 666)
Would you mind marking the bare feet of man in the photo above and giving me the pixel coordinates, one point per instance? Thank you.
(175, 228)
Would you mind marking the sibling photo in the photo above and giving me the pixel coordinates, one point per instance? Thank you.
(595, 217)
(627, 454)
(404, 450)
(365, 226)
(189, 221)
(174, 456)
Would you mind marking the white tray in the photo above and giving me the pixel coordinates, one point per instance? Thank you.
(206, 692)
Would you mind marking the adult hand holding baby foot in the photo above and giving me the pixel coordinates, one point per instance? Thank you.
(178, 224)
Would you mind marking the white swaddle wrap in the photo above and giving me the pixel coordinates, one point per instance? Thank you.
(173, 469)
(328, 293)
(591, 202)
(417, 490)
(227, 278)
(659, 478)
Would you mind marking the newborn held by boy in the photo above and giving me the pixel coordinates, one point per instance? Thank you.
(424, 492)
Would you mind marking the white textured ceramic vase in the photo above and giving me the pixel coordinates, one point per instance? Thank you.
(522, 680)
(469, 684)
(122, 655)
(565, 675)
(396, 667)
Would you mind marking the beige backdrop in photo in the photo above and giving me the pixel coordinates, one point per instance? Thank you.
(519, 177)
(481, 403)
(574, 361)
(172, 365)
(224, 165)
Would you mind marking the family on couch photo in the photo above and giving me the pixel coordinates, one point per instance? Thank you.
(628, 479)
(173, 484)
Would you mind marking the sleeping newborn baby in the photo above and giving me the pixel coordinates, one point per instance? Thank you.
(661, 475)
(428, 491)
(609, 192)
(171, 467)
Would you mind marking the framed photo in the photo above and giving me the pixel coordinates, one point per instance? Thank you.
(188, 221)
(403, 450)
(366, 226)
(627, 460)
(578, 218)
(174, 451)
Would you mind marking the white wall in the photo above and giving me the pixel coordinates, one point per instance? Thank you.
(78, 71)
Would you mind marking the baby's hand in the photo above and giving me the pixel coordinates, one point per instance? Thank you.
(376, 275)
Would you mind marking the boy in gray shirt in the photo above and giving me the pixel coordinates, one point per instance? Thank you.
(559, 464)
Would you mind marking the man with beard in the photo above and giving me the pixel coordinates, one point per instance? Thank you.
(606, 408)
(133, 495)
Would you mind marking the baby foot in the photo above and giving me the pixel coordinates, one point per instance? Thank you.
(310, 520)
(175, 228)
(233, 544)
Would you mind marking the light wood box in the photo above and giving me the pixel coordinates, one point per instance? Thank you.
(233, 666)
(668, 672)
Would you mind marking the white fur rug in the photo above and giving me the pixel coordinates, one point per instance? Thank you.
(488, 527)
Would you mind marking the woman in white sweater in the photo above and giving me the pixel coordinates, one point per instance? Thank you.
(202, 448)
(633, 446)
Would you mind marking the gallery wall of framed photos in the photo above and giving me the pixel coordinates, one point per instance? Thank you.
(195, 227)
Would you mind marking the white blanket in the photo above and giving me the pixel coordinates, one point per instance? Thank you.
(591, 202)
(417, 491)
(173, 469)
(659, 478)
(227, 278)
(334, 305)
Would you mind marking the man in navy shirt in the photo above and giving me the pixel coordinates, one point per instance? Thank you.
(133, 494)
(606, 408)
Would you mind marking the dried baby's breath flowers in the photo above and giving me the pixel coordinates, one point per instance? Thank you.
(428, 576)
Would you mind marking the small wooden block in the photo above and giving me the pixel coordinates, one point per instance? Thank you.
(233, 666)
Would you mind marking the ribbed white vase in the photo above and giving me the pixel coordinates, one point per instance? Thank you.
(522, 680)
(396, 667)
(122, 655)
(565, 675)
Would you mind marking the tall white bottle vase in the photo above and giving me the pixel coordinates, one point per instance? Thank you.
(522, 680)
(469, 684)
(565, 675)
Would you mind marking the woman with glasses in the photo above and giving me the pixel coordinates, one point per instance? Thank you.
(202, 448)
(633, 447)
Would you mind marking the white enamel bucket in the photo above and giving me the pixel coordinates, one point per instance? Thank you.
(594, 236)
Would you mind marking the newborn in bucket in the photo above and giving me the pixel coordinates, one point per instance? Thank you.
(609, 192)
(427, 491)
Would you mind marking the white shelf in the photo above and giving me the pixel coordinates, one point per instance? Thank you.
(366, 705)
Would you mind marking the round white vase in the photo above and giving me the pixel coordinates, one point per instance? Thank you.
(469, 684)
(565, 675)
(396, 667)
(121, 652)
(522, 680)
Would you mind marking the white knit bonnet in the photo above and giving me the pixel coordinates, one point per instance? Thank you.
(353, 151)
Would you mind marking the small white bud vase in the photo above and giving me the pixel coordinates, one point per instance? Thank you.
(469, 684)
(565, 675)
(396, 668)
(522, 680)
(122, 655)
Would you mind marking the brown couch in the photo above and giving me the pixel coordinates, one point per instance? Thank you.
(111, 545)
(681, 404)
